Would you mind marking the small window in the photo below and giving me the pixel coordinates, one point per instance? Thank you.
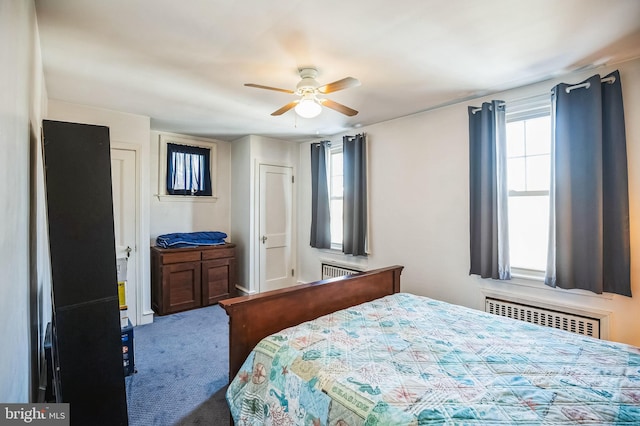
(336, 195)
(528, 179)
(186, 169)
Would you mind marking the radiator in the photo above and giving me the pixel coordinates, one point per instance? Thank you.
(542, 316)
(332, 271)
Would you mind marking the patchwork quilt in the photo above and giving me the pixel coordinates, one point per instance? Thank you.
(411, 360)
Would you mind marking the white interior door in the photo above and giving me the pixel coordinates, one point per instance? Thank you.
(276, 226)
(123, 175)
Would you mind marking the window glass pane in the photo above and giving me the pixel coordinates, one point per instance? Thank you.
(515, 139)
(179, 169)
(538, 135)
(189, 172)
(336, 221)
(196, 172)
(538, 171)
(516, 176)
(336, 174)
(336, 162)
(336, 186)
(528, 231)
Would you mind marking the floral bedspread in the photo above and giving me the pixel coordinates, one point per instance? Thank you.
(411, 360)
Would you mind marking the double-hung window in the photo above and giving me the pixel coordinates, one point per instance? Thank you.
(528, 132)
(336, 191)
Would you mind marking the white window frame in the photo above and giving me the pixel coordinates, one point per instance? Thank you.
(527, 109)
(162, 194)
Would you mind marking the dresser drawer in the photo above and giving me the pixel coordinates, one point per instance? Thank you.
(217, 253)
(187, 256)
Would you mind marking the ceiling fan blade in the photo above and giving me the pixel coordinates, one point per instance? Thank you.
(259, 86)
(338, 107)
(285, 108)
(345, 83)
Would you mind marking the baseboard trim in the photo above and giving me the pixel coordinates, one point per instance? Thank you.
(244, 291)
(147, 318)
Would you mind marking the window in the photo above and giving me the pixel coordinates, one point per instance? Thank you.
(528, 180)
(186, 169)
(336, 192)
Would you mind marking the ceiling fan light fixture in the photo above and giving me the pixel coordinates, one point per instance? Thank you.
(308, 107)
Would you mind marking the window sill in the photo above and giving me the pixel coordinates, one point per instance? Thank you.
(339, 252)
(535, 279)
(331, 250)
(527, 275)
(186, 198)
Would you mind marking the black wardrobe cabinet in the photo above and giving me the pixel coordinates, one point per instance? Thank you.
(86, 340)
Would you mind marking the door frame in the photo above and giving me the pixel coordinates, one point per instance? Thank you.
(254, 254)
(141, 315)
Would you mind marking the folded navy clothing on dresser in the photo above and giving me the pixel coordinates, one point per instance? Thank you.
(191, 239)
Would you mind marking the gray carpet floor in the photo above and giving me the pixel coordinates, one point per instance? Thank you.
(182, 370)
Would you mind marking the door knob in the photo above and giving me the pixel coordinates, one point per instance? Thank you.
(128, 250)
(264, 238)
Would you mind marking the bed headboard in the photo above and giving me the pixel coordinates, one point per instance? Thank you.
(254, 317)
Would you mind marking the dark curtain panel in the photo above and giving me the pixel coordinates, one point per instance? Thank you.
(355, 195)
(487, 192)
(320, 214)
(590, 194)
(202, 184)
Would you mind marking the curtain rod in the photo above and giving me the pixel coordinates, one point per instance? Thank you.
(473, 111)
(586, 85)
(328, 143)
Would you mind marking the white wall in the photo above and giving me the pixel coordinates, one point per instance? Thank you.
(128, 131)
(40, 270)
(241, 206)
(247, 154)
(23, 284)
(419, 205)
(186, 216)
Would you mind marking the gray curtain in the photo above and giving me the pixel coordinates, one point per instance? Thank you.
(355, 195)
(589, 235)
(320, 214)
(488, 197)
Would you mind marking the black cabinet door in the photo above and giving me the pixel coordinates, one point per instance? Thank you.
(77, 162)
(86, 318)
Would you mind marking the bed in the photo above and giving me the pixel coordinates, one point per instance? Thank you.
(401, 359)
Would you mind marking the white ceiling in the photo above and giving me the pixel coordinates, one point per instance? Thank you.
(184, 63)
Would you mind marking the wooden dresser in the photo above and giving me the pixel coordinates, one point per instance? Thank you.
(188, 278)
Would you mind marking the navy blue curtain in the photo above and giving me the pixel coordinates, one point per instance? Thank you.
(489, 248)
(354, 150)
(181, 178)
(320, 212)
(589, 238)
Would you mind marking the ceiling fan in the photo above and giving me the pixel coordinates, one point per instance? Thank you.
(310, 105)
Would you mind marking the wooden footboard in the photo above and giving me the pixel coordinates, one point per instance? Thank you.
(254, 317)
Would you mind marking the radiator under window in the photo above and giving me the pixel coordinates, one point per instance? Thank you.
(551, 318)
